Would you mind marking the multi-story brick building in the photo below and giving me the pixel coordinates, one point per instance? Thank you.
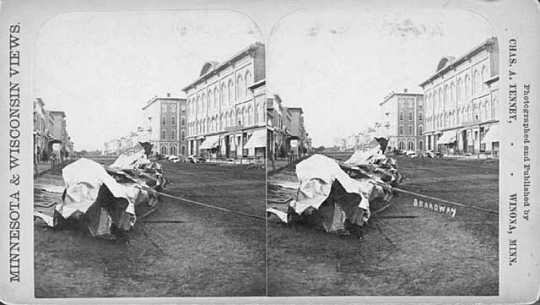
(226, 107)
(167, 124)
(278, 120)
(403, 120)
(461, 102)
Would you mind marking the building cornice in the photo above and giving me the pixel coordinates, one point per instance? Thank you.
(484, 45)
(219, 67)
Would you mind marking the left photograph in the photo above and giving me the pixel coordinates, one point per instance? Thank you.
(149, 155)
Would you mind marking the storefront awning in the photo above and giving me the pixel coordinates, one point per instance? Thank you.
(258, 139)
(210, 142)
(493, 134)
(448, 137)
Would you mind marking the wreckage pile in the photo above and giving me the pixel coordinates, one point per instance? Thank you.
(105, 199)
(339, 196)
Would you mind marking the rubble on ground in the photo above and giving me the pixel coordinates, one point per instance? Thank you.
(104, 199)
(338, 196)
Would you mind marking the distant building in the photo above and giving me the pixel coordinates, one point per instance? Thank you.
(166, 124)
(226, 107)
(297, 129)
(403, 121)
(462, 108)
(278, 120)
(42, 136)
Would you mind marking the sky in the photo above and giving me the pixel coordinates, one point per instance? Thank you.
(338, 65)
(101, 68)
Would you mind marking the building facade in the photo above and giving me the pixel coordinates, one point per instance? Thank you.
(403, 121)
(278, 120)
(461, 102)
(42, 135)
(226, 107)
(166, 125)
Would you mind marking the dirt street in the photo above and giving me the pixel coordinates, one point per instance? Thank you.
(431, 254)
(203, 253)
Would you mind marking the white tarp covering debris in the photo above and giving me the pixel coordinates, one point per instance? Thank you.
(335, 196)
(105, 199)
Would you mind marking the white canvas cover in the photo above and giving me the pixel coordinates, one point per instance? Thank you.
(83, 179)
(316, 176)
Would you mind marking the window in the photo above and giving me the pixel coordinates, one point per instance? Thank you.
(400, 130)
(173, 120)
(420, 130)
(183, 122)
(248, 82)
(411, 130)
(183, 135)
(239, 87)
(401, 116)
(410, 146)
(421, 145)
(163, 150)
(410, 116)
(420, 116)
(163, 135)
(173, 134)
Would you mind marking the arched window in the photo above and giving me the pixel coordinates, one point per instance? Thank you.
(210, 101)
(410, 146)
(222, 96)
(244, 116)
(458, 92)
(467, 87)
(420, 145)
(249, 116)
(484, 78)
(216, 99)
(173, 150)
(230, 92)
(441, 100)
(248, 82)
(239, 87)
(420, 130)
(475, 81)
(445, 97)
(401, 145)
(163, 150)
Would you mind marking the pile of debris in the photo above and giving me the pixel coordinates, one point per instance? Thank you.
(106, 200)
(340, 196)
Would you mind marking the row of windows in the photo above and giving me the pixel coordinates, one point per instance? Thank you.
(478, 112)
(172, 150)
(214, 100)
(410, 145)
(456, 93)
(172, 135)
(172, 120)
(242, 117)
(410, 130)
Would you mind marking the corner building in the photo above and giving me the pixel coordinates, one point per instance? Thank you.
(166, 125)
(226, 107)
(462, 105)
(403, 120)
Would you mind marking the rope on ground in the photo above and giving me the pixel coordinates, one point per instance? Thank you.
(446, 201)
(212, 206)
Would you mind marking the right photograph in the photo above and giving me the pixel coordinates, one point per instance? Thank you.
(383, 154)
